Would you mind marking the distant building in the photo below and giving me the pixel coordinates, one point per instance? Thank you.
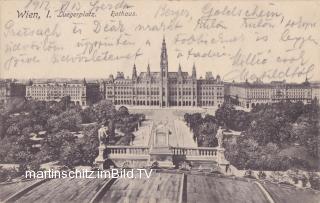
(80, 92)
(102, 89)
(251, 94)
(315, 90)
(10, 89)
(164, 88)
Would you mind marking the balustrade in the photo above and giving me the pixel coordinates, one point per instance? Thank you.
(194, 151)
(129, 150)
(121, 150)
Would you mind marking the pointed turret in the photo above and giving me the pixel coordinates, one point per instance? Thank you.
(84, 81)
(306, 82)
(179, 70)
(30, 82)
(148, 70)
(218, 78)
(134, 72)
(194, 72)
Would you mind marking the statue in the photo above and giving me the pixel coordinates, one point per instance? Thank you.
(222, 162)
(102, 134)
(219, 136)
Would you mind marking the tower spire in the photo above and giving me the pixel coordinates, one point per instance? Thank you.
(194, 72)
(180, 71)
(164, 59)
(148, 69)
(134, 71)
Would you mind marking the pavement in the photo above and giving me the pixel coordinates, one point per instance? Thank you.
(172, 119)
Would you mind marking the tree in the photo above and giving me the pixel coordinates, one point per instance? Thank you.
(209, 119)
(68, 120)
(271, 130)
(307, 134)
(51, 145)
(187, 118)
(314, 180)
(195, 121)
(122, 112)
(224, 114)
(13, 130)
(15, 104)
(26, 131)
(71, 154)
(208, 130)
(111, 129)
(88, 115)
(90, 144)
(3, 119)
(65, 102)
(105, 111)
(35, 165)
(37, 128)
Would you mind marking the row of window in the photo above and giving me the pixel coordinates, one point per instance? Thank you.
(266, 95)
(50, 94)
(174, 88)
(171, 93)
(157, 103)
(55, 90)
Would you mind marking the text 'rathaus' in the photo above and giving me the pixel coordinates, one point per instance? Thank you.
(165, 88)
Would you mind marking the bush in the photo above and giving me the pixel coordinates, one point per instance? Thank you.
(155, 165)
(304, 180)
(314, 180)
(249, 174)
(185, 165)
(294, 174)
(276, 176)
(7, 174)
(262, 175)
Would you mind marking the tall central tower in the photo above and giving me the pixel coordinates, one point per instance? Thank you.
(164, 60)
(164, 75)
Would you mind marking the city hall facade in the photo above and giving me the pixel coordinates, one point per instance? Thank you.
(164, 88)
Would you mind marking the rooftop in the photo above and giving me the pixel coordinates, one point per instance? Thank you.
(160, 187)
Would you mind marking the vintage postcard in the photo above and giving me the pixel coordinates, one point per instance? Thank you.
(160, 101)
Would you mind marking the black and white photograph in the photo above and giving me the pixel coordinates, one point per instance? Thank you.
(160, 101)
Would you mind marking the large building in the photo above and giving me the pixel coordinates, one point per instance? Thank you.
(315, 90)
(10, 89)
(80, 92)
(164, 88)
(249, 95)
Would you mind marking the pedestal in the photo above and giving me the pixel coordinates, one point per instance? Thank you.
(223, 163)
(100, 160)
(163, 156)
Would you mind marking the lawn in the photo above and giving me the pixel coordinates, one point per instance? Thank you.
(206, 189)
(6, 190)
(64, 190)
(161, 187)
(287, 194)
